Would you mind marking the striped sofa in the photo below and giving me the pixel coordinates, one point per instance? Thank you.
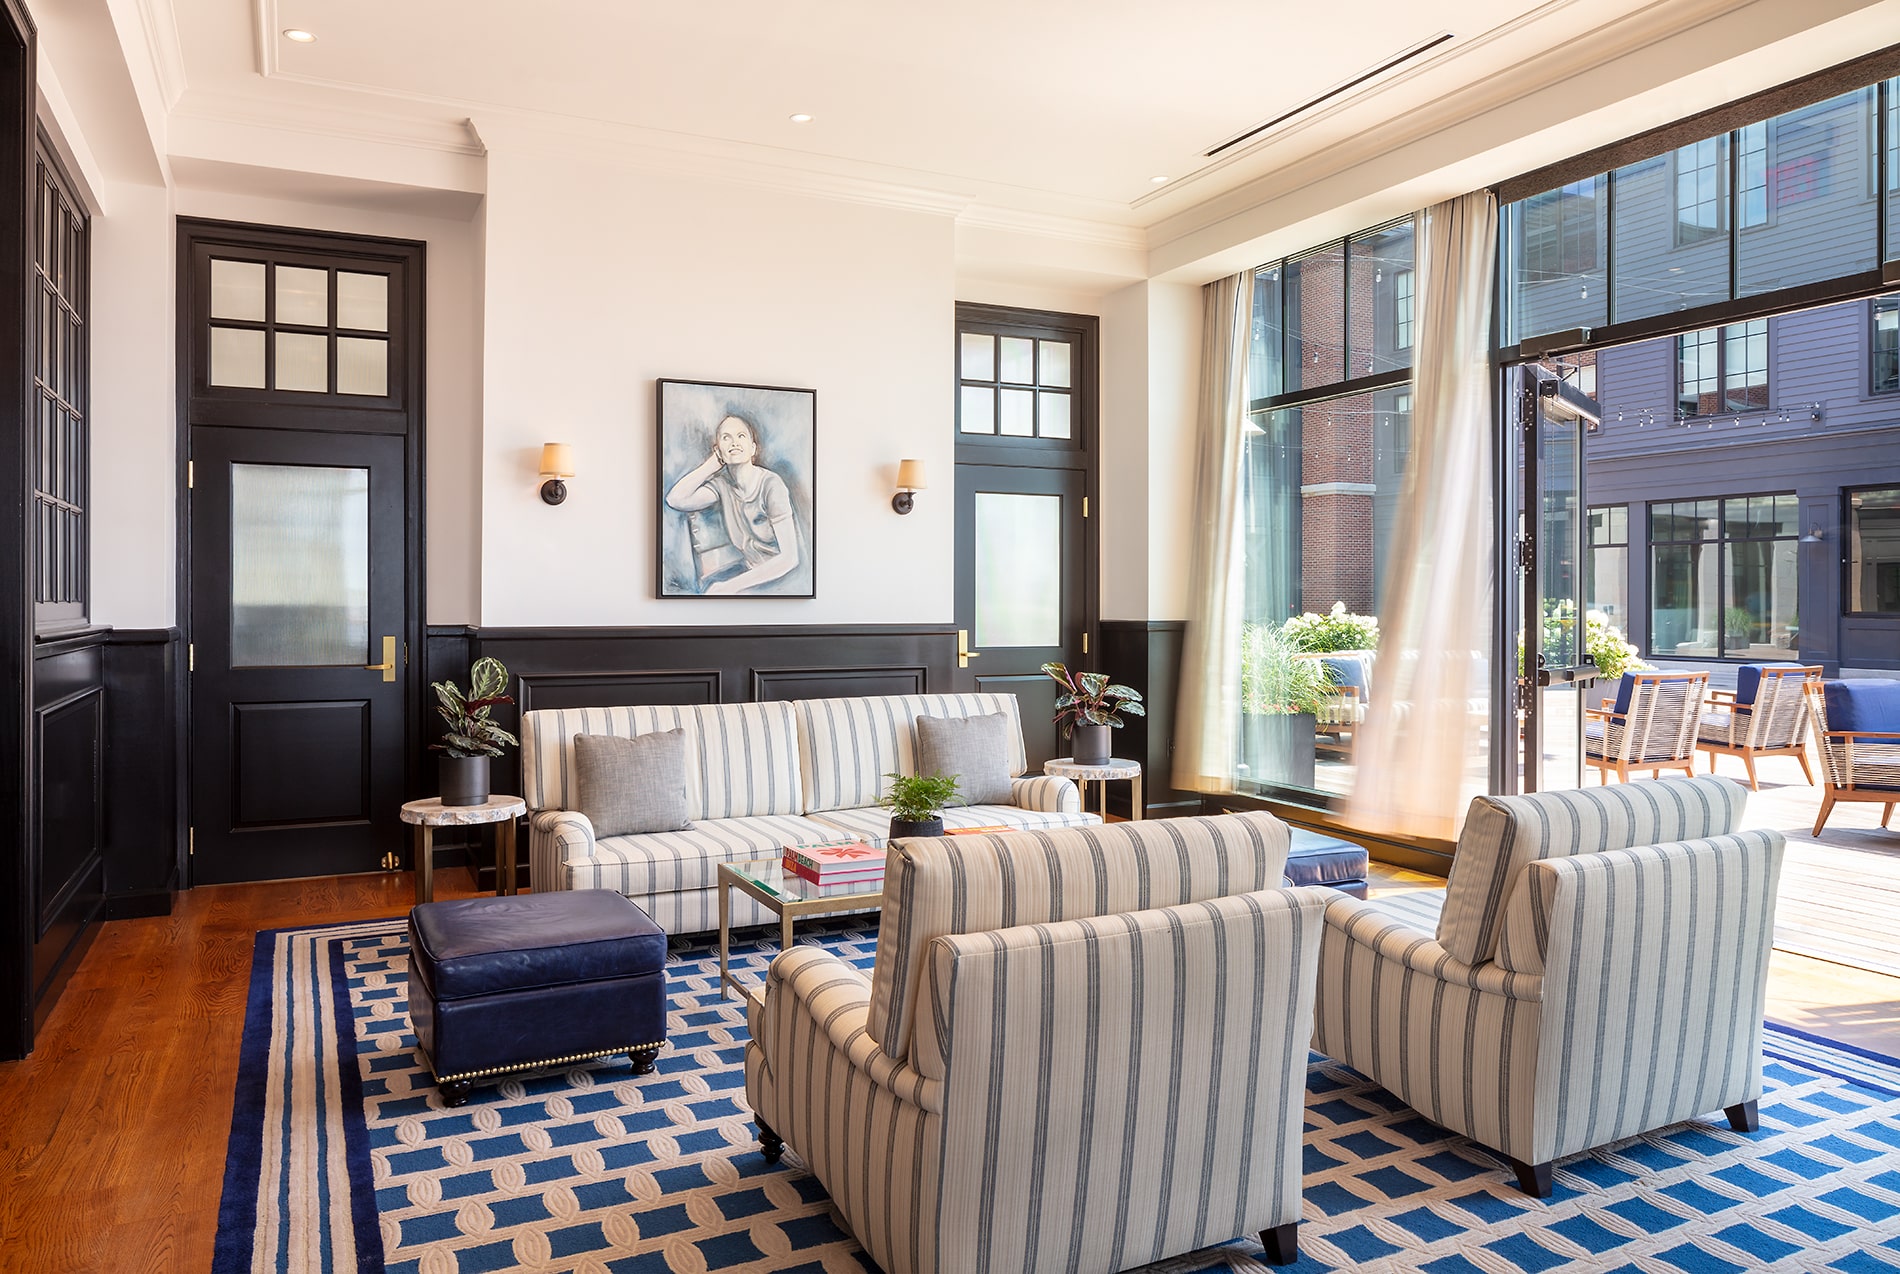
(1079, 1050)
(759, 776)
(1598, 971)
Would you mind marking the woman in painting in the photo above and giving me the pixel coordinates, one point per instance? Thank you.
(754, 506)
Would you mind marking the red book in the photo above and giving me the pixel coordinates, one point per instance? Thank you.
(846, 878)
(844, 857)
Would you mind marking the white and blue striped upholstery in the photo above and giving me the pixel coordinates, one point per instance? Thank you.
(1090, 1094)
(1626, 992)
(1505, 834)
(741, 758)
(974, 884)
(848, 747)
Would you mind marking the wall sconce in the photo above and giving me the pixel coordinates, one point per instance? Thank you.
(557, 463)
(1815, 535)
(910, 479)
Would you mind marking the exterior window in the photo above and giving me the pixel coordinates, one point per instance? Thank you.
(1873, 551)
(1751, 175)
(1886, 344)
(61, 377)
(1722, 370)
(1607, 573)
(1402, 309)
(1723, 578)
(1699, 182)
(1560, 231)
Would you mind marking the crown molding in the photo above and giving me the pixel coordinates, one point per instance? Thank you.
(1103, 234)
(162, 44)
(331, 120)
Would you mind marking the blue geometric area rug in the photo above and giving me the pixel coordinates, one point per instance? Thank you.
(342, 1158)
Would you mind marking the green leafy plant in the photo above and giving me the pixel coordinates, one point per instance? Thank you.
(1337, 629)
(472, 732)
(918, 798)
(1739, 624)
(1274, 681)
(1604, 643)
(1090, 698)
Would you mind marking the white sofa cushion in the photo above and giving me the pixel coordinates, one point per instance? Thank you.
(847, 746)
(873, 826)
(664, 862)
(741, 758)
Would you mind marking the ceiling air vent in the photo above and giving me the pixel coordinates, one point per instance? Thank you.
(1390, 64)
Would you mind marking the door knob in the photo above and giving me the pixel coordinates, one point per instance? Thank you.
(388, 666)
(964, 653)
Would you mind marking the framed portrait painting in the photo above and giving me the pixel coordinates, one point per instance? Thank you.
(737, 474)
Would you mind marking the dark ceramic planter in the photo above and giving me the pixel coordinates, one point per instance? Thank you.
(924, 827)
(1089, 744)
(464, 779)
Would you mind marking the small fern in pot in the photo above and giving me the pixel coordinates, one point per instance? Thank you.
(473, 735)
(916, 803)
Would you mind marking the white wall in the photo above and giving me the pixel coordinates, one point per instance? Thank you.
(601, 279)
(452, 374)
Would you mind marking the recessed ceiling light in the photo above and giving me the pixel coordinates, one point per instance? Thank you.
(1159, 181)
(801, 118)
(301, 36)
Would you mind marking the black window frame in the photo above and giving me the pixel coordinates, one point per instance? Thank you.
(62, 383)
(1875, 306)
(1721, 540)
(1847, 559)
(1722, 338)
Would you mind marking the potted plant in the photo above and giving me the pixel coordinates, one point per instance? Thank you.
(1088, 708)
(1280, 698)
(473, 736)
(1336, 630)
(916, 802)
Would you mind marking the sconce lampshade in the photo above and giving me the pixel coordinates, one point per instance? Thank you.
(557, 463)
(557, 460)
(910, 477)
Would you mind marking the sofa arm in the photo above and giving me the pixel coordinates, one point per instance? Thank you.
(1390, 939)
(554, 837)
(810, 992)
(1046, 793)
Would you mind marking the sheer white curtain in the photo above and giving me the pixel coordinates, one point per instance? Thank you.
(1420, 751)
(1208, 723)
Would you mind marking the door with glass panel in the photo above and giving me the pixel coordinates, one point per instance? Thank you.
(1025, 595)
(301, 399)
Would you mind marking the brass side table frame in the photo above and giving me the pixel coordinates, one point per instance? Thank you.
(788, 897)
(1112, 770)
(432, 813)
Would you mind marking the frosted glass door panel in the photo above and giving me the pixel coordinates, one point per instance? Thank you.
(362, 301)
(303, 296)
(1018, 569)
(299, 566)
(237, 357)
(237, 290)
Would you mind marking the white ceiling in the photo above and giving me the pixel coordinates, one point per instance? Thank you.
(1060, 106)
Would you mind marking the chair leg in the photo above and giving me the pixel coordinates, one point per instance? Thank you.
(1809, 774)
(1744, 1117)
(1532, 1179)
(1748, 759)
(1827, 807)
(771, 1145)
(1886, 815)
(1282, 1243)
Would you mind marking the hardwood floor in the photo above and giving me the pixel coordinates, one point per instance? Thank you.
(113, 1133)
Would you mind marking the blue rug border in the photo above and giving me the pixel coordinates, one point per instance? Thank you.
(237, 1210)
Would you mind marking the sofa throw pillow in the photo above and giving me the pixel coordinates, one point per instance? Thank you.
(975, 750)
(628, 786)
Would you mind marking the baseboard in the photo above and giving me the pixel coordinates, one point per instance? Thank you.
(139, 905)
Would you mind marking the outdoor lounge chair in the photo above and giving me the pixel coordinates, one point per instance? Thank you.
(1763, 716)
(1857, 724)
(1650, 726)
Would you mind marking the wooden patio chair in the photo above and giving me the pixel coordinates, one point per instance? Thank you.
(1339, 719)
(1765, 715)
(1857, 726)
(1651, 725)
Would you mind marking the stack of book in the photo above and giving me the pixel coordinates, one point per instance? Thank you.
(836, 863)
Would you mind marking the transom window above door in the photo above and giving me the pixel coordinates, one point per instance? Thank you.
(1015, 386)
(298, 329)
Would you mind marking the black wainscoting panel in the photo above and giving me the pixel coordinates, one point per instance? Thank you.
(1036, 700)
(267, 792)
(617, 689)
(66, 868)
(833, 682)
(1146, 654)
(143, 822)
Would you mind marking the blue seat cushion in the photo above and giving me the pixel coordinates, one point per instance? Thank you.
(1748, 681)
(1625, 687)
(480, 946)
(1872, 705)
(1318, 859)
(1348, 672)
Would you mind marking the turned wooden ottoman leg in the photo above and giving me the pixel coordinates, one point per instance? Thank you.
(771, 1145)
(642, 1058)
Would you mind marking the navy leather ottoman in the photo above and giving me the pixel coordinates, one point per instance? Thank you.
(1319, 859)
(509, 984)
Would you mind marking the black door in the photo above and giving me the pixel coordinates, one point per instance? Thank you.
(299, 676)
(1025, 472)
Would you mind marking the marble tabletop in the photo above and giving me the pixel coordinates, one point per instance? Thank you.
(433, 813)
(1114, 768)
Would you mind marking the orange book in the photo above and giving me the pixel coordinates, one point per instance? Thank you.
(973, 831)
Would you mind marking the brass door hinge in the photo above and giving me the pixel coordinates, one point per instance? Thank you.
(191, 474)
(191, 841)
(191, 658)
(1085, 506)
(1085, 643)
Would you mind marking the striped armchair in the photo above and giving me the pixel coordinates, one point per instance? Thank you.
(1651, 725)
(1598, 971)
(1762, 716)
(1128, 1005)
(1857, 724)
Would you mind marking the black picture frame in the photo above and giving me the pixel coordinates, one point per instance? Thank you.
(736, 468)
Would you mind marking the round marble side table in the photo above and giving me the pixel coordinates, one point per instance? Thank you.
(1102, 775)
(432, 813)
